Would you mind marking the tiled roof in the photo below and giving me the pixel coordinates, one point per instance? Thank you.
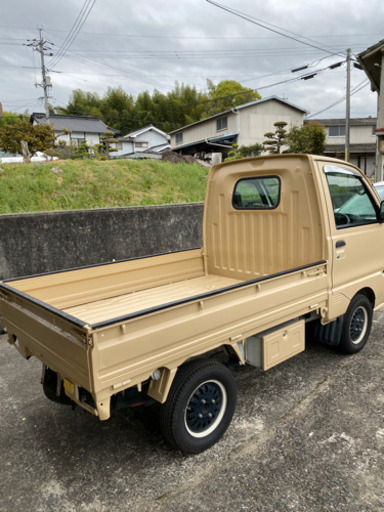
(357, 121)
(148, 128)
(72, 123)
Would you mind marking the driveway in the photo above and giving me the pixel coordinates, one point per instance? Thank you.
(307, 435)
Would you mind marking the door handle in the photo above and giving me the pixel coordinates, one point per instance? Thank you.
(340, 243)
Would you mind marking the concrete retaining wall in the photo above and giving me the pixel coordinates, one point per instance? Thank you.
(33, 243)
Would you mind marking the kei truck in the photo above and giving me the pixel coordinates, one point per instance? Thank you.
(288, 240)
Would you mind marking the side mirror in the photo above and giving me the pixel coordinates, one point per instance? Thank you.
(381, 213)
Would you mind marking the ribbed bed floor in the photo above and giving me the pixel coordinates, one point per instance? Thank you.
(115, 307)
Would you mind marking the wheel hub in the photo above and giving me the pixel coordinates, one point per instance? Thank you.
(358, 325)
(204, 406)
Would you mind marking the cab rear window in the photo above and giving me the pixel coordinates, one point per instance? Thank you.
(257, 193)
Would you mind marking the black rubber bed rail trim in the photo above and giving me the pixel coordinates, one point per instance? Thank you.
(106, 323)
(201, 296)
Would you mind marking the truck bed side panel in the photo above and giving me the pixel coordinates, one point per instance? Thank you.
(133, 349)
(56, 342)
(73, 287)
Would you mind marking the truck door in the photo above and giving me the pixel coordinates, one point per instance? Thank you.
(357, 234)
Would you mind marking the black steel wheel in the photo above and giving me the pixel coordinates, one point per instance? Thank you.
(199, 407)
(356, 325)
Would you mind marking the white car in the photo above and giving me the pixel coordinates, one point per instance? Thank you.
(37, 157)
(379, 187)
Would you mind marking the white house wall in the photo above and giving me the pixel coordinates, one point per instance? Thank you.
(125, 149)
(357, 135)
(63, 137)
(152, 137)
(259, 119)
(206, 130)
(250, 122)
(91, 138)
(365, 163)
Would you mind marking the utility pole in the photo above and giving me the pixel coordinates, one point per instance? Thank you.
(380, 120)
(348, 106)
(41, 46)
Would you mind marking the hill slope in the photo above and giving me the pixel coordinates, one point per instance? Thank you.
(71, 184)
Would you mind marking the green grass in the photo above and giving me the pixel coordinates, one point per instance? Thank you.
(98, 184)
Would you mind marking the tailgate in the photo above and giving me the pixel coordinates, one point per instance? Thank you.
(59, 341)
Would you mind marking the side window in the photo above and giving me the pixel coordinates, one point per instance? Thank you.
(351, 200)
(337, 131)
(222, 123)
(257, 193)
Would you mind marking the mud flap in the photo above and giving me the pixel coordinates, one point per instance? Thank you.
(329, 334)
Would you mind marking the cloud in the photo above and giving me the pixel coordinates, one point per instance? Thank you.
(189, 41)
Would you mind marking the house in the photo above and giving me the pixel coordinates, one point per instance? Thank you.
(244, 125)
(146, 142)
(362, 145)
(372, 62)
(73, 130)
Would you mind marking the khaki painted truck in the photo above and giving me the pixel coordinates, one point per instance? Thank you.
(288, 240)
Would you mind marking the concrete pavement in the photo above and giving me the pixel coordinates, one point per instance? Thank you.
(307, 435)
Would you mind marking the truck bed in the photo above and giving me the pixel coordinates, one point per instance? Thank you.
(121, 336)
(104, 310)
(100, 293)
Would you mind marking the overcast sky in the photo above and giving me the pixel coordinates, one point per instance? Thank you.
(150, 44)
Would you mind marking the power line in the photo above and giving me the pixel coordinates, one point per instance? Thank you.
(77, 26)
(182, 54)
(274, 28)
(356, 89)
(54, 30)
(122, 73)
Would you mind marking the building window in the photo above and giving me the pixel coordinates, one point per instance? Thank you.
(374, 130)
(77, 141)
(141, 144)
(222, 123)
(337, 131)
(179, 138)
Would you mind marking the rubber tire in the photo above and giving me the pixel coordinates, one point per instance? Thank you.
(49, 388)
(173, 413)
(359, 312)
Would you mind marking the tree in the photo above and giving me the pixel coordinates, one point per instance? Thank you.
(82, 104)
(106, 141)
(309, 139)
(182, 106)
(144, 108)
(38, 138)
(228, 94)
(11, 118)
(117, 110)
(275, 140)
(244, 151)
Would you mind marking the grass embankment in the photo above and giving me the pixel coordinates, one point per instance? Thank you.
(98, 184)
